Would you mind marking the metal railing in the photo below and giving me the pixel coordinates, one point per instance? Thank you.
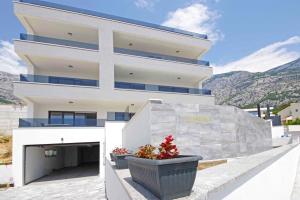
(71, 43)
(58, 80)
(112, 17)
(45, 122)
(160, 56)
(161, 88)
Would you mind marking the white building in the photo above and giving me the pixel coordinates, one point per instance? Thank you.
(85, 67)
(291, 112)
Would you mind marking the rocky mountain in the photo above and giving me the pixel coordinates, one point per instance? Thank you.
(6, 89)
(244, 89)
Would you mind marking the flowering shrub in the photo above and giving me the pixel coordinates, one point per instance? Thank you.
(120, 151)
(167, 150)
(147, 152)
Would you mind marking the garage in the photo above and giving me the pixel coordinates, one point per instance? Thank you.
(60, 161)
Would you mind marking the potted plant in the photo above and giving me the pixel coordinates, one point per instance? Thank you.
(118, 155)
(166, 174)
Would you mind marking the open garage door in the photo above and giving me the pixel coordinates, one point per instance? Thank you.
(59, 161)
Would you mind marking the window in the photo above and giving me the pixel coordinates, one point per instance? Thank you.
(68, 118)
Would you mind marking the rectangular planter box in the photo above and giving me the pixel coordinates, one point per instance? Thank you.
(121, 162)
(166, 179)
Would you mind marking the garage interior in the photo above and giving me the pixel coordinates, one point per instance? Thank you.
(60, 161)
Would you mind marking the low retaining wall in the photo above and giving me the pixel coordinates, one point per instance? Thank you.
(267, 175)
(6, 174)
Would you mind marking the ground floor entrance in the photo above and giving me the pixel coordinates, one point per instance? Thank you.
(49, 162)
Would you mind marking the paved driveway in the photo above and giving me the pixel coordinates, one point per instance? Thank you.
(75, 184)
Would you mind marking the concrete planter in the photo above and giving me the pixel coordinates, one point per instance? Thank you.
(166, 179)
(121, 162)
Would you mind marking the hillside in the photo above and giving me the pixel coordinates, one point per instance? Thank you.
(6, 89)
(244, 89)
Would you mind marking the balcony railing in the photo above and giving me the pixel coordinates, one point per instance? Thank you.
(58, 80)
(161, 88)
(112, 17)
(36, 38)
(160, 56)
(44, 122)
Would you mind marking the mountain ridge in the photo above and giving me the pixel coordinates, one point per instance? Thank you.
(245, 89)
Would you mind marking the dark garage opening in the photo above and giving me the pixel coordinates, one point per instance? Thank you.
(63, 161)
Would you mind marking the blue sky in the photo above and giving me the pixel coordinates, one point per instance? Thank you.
(251, 35)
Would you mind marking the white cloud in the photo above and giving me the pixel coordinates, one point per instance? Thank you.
(271, 56)
(9, 60)
(145, 3)
(196, 18)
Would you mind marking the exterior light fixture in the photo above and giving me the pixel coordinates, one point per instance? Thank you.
(177, 51)
(70, 66)
(178, 78)
(70, 102)
(130, 44)
(70, 34)
(130, 73)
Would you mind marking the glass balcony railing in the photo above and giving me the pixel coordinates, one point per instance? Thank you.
(58, 80)
(71, 43)
(112, 17)
(44, 122)
(161, 88)
(119, 116)
(160, 56)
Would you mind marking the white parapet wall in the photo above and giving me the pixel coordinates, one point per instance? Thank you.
(137, 130)
(113, 135)
(269, 175)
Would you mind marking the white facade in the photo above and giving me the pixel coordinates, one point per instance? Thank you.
(82, 63)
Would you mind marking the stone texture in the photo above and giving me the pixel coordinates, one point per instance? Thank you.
(213, 132)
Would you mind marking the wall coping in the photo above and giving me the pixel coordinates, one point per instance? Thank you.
(223, 178)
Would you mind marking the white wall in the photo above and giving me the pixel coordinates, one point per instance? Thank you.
(6, 174)
(274, 182)
(277, 131)
(113, 135)
(136, 132)
(37, 165)
(114, 188)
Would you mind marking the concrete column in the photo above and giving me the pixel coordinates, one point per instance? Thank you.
(106, 66)
(18, 162)
(30, 109)
(102, 159)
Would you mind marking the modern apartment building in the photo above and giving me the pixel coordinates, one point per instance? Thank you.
(88, 73)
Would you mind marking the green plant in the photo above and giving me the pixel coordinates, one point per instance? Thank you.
(293, 122)
(167, 150)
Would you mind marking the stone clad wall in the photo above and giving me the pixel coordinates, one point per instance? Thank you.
(210, 131)
(9, 117)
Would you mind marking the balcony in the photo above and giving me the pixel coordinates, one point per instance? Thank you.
(44, 122)
(58, 80)
(160, 56)
(112, 17)
(161, 88)
(70, 43)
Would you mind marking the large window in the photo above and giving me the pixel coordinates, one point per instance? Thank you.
(67, 118)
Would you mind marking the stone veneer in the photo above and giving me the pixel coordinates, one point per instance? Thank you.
(213, 132)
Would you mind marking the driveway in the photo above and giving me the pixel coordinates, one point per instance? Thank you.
(78, 183)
